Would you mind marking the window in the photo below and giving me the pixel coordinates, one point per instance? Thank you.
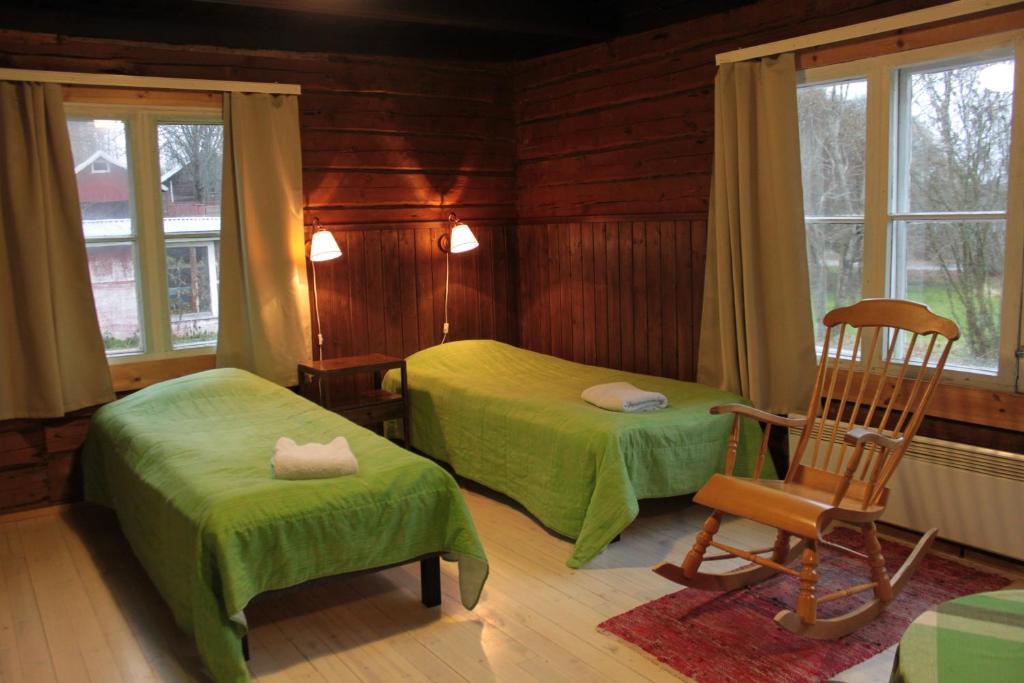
(906, 165)
(149, 188)
(832, 129)
(948, 214)
(191, 162)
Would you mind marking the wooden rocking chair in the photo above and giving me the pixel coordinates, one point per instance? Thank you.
(827, 482)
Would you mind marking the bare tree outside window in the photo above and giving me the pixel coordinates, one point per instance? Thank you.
(957, 122)
(191, 166)
(196, 151)
(833, 128)
(95, 135)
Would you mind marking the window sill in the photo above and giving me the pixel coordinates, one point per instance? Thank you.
(988, 407)
(132, 373)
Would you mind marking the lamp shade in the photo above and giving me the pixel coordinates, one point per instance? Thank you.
(462, 239)
(323, 246)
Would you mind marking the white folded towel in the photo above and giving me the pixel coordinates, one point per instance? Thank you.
(623, 397)
(312, 460)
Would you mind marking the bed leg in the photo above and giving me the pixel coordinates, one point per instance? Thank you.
(245, 647)
(430, 581)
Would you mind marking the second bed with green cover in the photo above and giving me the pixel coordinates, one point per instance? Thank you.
(513, 420)
(186, 466)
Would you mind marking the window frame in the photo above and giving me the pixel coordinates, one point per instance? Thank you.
(141, 122)
(880, 198)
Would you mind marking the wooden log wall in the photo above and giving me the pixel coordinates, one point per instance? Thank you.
(614, 143)
(39, 461)
(389, 147)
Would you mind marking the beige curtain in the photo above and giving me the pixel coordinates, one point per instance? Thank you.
(51, 353)
(756, 336)
(264, 302)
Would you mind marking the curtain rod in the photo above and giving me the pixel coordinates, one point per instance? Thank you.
(148, 82)
(896, 22)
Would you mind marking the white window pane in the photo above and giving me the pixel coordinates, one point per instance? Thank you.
(113, 276)
(959, 138)
(193, 275)
(835, 260)
(191, 163)
(833, 124)
(100, 151)
(956, 268)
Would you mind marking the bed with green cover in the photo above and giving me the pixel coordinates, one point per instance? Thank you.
(513, 420)
(185, 464)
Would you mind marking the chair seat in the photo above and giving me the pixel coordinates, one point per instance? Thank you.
(797, 508)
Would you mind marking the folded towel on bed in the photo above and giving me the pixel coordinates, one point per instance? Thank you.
(623, 397)
(312, 460)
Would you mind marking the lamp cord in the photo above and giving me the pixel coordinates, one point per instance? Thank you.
(316, 307)
(447, 270)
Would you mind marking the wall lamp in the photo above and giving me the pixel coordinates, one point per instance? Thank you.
(457, 239)
(322, 247)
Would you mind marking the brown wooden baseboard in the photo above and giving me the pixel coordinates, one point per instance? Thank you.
(48, 510)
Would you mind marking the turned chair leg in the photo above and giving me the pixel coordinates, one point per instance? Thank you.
(807, 601)
(780, 551)
(696, 555)
(879, 575)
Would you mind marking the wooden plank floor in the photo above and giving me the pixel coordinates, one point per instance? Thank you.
(76, 606)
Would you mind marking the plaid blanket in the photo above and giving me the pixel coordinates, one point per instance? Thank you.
(978, 638)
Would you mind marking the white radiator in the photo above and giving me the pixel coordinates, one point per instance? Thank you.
(975, 496)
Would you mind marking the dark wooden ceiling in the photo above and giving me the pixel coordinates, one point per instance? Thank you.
(492, 30)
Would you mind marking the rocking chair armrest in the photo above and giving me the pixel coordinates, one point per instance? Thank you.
(739, 410)
(859, 436)
(759, 415)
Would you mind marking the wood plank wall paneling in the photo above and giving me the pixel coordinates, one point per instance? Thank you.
(386, 293)
(618, 294)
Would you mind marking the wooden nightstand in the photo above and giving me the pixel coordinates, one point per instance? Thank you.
(367, 408)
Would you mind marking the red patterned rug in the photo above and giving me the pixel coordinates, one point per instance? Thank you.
(731, 636)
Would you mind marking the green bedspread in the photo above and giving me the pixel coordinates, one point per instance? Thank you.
(514, 421)
(186, 466)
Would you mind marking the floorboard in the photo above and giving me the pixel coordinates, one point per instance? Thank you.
(535, 622)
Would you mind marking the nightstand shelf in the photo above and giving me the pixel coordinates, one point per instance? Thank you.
(368, 408)
(372, 397)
